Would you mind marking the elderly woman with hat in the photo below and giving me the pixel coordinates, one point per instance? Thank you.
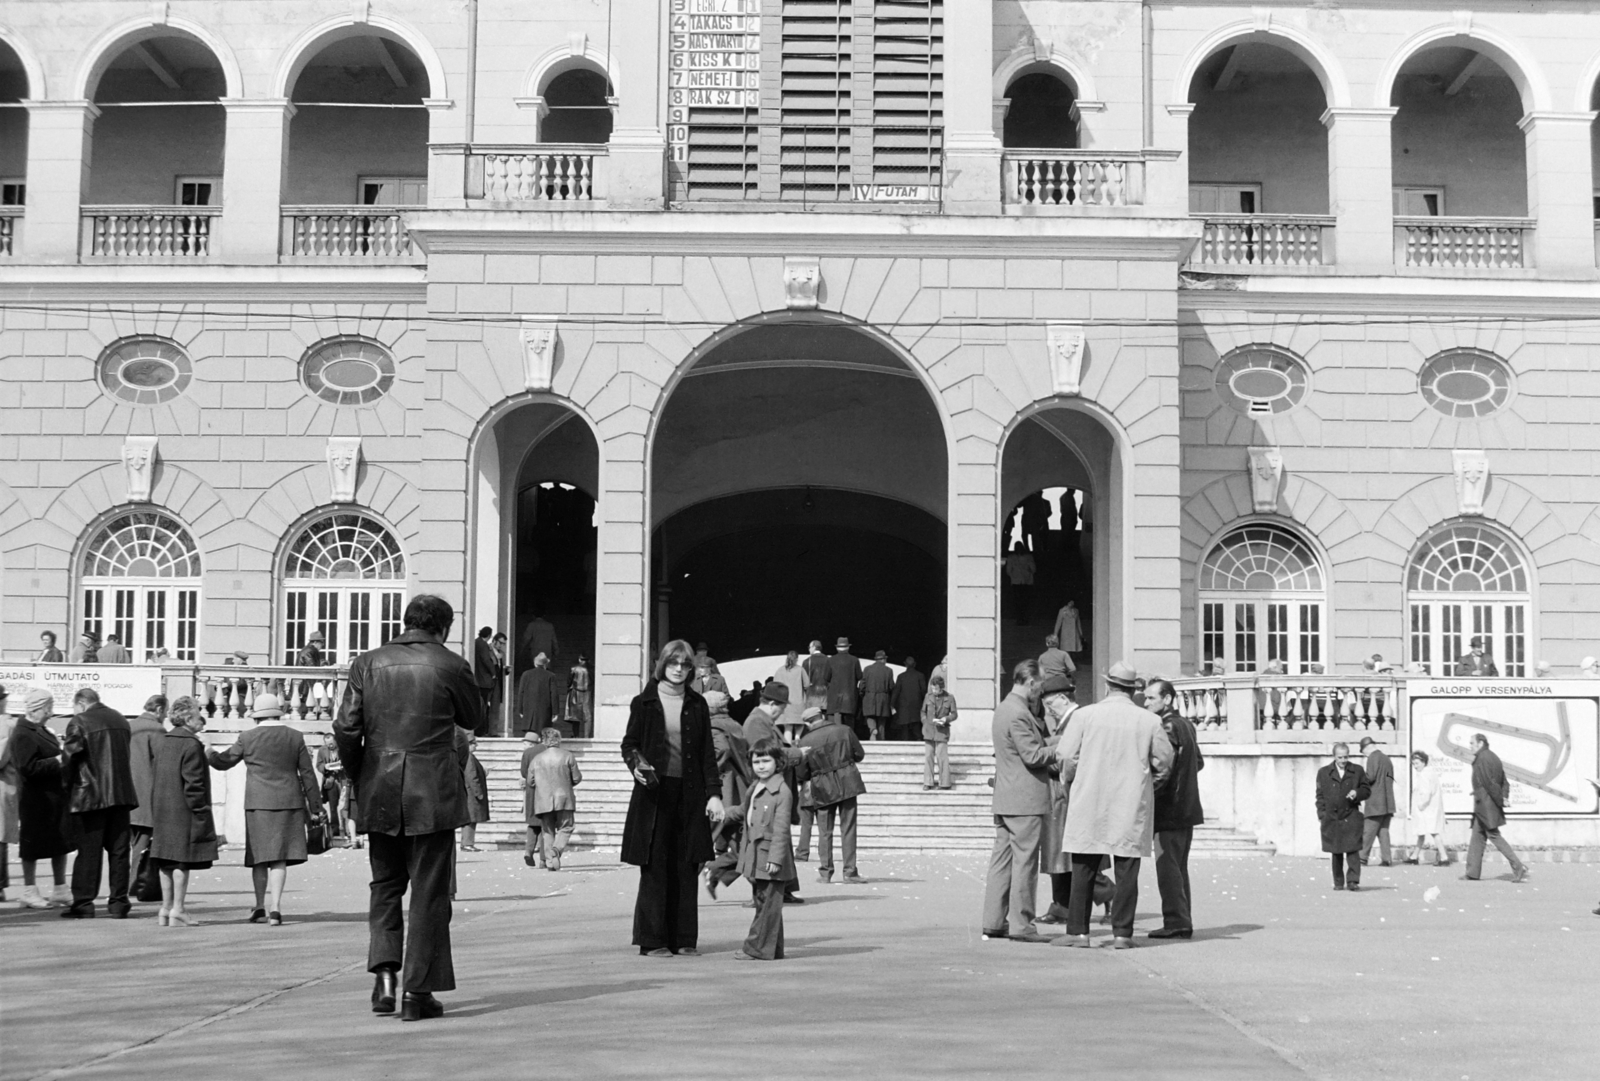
(183, 835)
(280, 798)
(42, 832)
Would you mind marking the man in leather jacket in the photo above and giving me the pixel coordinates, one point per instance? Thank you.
(831, 752)
(396, 737)
(100, 792)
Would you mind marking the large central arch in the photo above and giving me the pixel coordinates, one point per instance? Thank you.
(799, 489)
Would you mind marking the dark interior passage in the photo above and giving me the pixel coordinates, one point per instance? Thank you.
(556, 545)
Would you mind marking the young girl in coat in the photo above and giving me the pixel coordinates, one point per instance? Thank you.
(765, 855)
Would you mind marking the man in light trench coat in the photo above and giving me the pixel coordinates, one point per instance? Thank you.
(1114, 755)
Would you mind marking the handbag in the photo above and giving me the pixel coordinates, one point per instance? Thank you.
(318, 840)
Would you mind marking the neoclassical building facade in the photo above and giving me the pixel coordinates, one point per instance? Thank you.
(756, 323)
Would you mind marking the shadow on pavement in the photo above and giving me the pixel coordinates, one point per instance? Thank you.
(522, 1000)
(1230, 931)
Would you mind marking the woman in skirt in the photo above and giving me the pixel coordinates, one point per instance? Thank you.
(183, 836)
(43, 832)
(281, 798)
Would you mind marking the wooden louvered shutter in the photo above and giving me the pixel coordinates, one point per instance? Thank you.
(815, 117)
(907, 93)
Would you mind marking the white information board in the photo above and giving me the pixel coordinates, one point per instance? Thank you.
(1546, 732)
(123, 687)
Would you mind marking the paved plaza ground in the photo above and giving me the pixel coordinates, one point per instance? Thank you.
(1284, 979)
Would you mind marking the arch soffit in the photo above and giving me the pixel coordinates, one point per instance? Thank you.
(509, 405)
(1024, 60)
(1121, 441)
(1583, 96)
(900, 350)
(1310, 511)
(31, 67)
(1515, 61)
(565, 58)
(1311, 50)
(108, 46)
(307, 45)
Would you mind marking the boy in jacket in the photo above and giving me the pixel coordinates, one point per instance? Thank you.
(765, 857)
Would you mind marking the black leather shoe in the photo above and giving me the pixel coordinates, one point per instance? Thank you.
(75, 913)
(383, 990)
(1172, 932)
(419, 1006)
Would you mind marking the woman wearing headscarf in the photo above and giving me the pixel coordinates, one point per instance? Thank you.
(281, 798)
(43, 832)
(183, 836)
(676, 790)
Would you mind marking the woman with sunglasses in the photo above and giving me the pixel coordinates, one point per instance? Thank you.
(676, 800)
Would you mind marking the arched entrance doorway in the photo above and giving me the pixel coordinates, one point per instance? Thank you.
(1060, 543)
(538, 474)
(799, 488)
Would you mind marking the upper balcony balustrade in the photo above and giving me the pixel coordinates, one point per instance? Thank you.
(1310, 708)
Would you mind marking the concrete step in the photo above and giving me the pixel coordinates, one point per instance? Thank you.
(896, 814)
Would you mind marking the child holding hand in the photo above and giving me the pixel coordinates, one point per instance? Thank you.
(766, 857)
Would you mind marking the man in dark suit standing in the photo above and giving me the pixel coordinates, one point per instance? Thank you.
(1379, 809)
(396, 736)
(485, 670)
(1021, 804)
(844, 685)
(1178, 812)
(1476, 664)
(1490, 792)
(538, 697)
(1341, 786)
(100, 793)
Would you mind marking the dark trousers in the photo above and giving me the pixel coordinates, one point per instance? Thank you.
(424, 862)
(808, 819)
(146, 884)
(1011, 889)
(765, 939)
(1124, 902)
(1346, 869)
(724, 870)
(1475, 849)
(667, 912)
(332, 790)
(1060, 888)
(102, 835)
(1172, 876)
(1376, 828)
(845, 812)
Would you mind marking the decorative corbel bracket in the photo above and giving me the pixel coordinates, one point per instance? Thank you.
(1266, 474)
(538, 354)
(802, 282)
(1067, 343)
(139, 459)
(1472, 480)
(344, 462)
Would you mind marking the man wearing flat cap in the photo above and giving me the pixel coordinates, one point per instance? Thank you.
(830, 751)
(1113, 756)
(877, 690)
(844, 685)
(1477, 663)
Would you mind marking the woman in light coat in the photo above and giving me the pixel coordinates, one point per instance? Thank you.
(1427, 808)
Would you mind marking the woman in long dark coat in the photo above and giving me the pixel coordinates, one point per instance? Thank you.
(281, 798)
(676, 798)
(43, 832)
(476, 780)
(183, 836)
(1341, 786)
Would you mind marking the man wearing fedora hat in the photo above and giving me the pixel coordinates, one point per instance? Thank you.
(1477, 663)
(877, 689)
(844, 685)
(1113, 756)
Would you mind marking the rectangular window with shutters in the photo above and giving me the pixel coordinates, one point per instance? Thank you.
(907, 93)
(1514, 650)
(1213, 636)
(328, 624)
(1450, 625)
(187, 627)
(1244, 637)
(294, 624)
(1278, 633)
(94, 611)
(392, 606)
(1422, 636)
(1310, 636)
(155, 620)
(125, 613)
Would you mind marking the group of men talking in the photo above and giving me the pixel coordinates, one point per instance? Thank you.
(1076, 789)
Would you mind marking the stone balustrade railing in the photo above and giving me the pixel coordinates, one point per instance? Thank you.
(348, 234)
(1265, 240)
(149, 233)
(1462, 243)
(1072, 178)
(10, 226)
(543, 173)
(228, 692)
(1267, 708)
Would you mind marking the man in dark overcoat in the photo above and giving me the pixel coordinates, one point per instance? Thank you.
(877, 687)
(396, 736)
(485, 670)
(910, 688)
(538, 697)
(100, 795)
(816, 669)
(830, 751)
(146, 730)
(844, 685)
(1178, 812)
(1341, 786)
(1379, 808)
(1490, 792)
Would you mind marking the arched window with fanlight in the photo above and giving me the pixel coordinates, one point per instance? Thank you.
(1467, 581)
(141, 582)
(1263, 603)
(343, 575)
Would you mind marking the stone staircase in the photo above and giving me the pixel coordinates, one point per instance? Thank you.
(895, 814)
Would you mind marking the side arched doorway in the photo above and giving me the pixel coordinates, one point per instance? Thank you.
(534, 562)
(1061, 544)
(799, 489)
